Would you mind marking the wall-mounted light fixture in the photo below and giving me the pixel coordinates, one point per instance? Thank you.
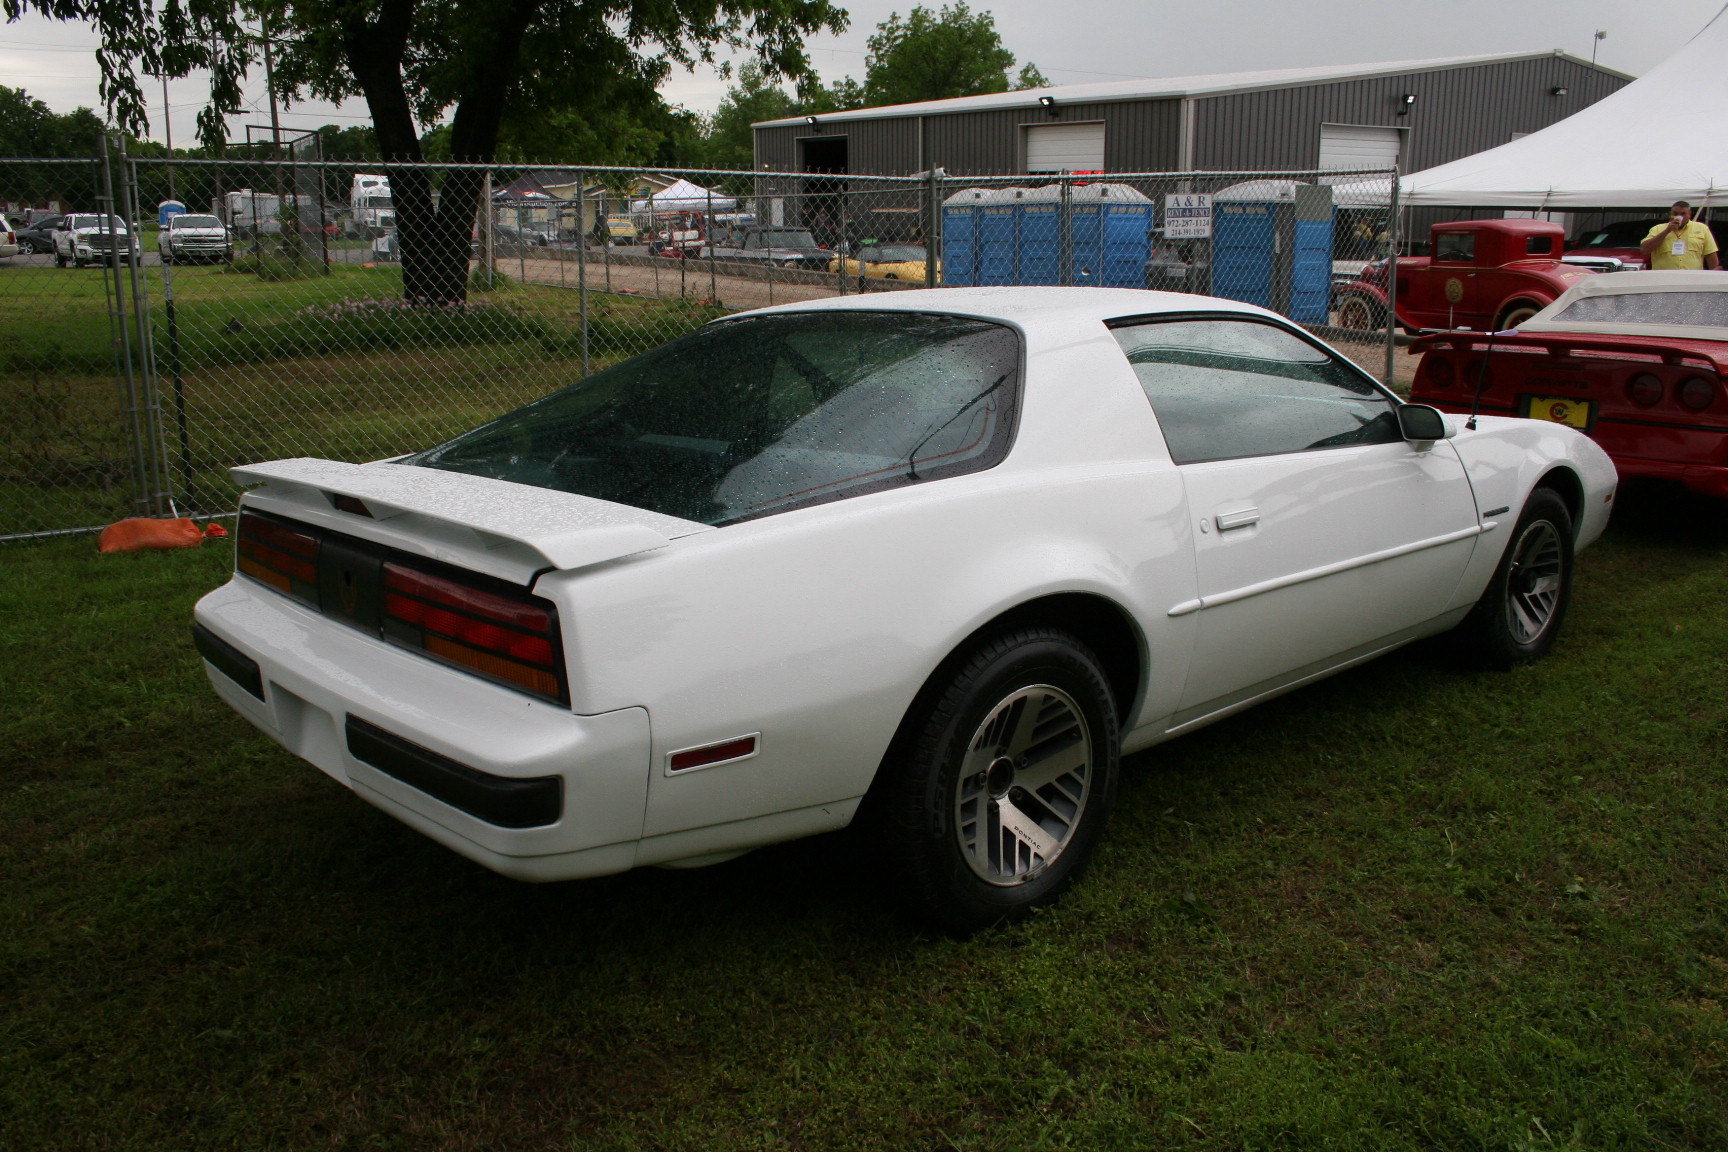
(1047, 101)
(1404, 103)
(1560, 91)
(810, 120)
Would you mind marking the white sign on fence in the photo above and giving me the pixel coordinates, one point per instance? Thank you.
(1188, 216)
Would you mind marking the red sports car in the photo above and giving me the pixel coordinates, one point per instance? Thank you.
(1636, 360)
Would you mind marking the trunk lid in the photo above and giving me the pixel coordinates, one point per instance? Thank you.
(500, 528)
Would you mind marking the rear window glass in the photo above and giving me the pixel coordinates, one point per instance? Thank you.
(1539, 246)
(765, 414)
(1458, 247)
(1695, 309)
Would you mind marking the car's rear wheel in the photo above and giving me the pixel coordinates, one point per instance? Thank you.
(1516, 313)
(26, 248)
(1361, 314)
(1002, 779)
(1519, 615)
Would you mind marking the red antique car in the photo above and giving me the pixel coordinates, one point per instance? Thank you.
(1483, 274)
(1635, 360)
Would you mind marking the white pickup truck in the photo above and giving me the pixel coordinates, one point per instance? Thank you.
(91, 237)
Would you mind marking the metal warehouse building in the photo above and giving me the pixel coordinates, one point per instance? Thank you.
(1415, 113)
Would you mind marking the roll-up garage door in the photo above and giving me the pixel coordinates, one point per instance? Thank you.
(1065, 148)
(1358, 147)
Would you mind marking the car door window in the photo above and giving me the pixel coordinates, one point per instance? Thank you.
(1224, 388)
(1455, 247)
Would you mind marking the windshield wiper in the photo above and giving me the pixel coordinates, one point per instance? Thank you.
(912, 456)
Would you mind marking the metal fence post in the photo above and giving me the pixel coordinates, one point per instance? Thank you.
(840, 246)
(582, 270)
(119, 323)
(1065, 234)
(1392, 231)
(933, 229)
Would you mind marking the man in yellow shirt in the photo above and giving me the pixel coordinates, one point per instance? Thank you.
(1680, 243)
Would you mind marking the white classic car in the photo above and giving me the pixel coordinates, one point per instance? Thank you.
(932, 560)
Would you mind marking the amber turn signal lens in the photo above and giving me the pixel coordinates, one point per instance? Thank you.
(1644, 390)
(1697, 393)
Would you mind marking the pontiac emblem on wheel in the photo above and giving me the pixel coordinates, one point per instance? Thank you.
(1454, 290)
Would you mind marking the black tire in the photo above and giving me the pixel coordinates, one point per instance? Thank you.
(26, 248)
(165, 257)
(967, 756)
(59, 260)
(1523, 608)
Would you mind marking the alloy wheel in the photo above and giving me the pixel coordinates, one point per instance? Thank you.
(1533, 581)
(1023, 786)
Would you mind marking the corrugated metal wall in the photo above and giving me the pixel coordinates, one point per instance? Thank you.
(1139, 136)
(1457, 112)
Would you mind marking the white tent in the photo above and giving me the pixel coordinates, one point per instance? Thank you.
(683, 196)
(1657, 140)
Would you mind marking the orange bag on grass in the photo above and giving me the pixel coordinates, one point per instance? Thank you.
(142, 534)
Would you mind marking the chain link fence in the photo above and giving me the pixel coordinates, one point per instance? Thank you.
(170, 319)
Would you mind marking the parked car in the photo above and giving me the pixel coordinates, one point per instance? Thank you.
(91, 237)
(193, 237)
(1635, 360)
(1621, 242)
(1483, 274)
(619, 229)
(38, 236)
(8, 240)
(888, 262)
(1175, 266)
(777, 246)
(952, 551)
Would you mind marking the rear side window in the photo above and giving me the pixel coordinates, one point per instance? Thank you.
(1226, 388)
(1539, 246)
(765, 414)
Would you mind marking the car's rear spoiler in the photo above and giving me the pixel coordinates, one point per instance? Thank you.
(1570, 342)
(498, 527)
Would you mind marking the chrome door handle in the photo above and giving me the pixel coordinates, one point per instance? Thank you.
(1240, 519)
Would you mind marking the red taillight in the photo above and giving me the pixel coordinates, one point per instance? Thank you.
(1644, 390)
(1697, 393)
(506, 637)
(278, 556)
(1440, 373)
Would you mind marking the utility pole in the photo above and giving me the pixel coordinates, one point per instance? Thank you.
(1601, 35)
(168, 133)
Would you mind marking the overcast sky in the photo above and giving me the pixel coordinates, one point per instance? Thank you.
(1072, 42)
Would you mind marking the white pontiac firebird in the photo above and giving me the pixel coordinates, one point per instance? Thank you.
(934, 560)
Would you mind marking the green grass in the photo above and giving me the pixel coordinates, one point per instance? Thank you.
(320, 365)
(1407, 908)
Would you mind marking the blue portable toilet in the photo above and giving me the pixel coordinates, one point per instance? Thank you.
(963, 230)
(1112, 235)
(1272, 246)
(168, 208)
(1015, 236)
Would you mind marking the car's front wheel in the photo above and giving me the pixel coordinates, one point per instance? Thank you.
(1001, 781)
(1519, 615)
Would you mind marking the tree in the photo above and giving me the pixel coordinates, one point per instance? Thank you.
(28, 127)
(937, 56)
(489, 63)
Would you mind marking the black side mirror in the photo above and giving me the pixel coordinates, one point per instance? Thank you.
(1422, 425)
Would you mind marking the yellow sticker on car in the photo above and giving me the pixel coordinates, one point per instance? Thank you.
(1561, 410)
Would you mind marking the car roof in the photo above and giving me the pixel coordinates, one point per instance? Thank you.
(1026, 307)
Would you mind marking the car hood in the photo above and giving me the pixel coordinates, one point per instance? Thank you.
(498, 527)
